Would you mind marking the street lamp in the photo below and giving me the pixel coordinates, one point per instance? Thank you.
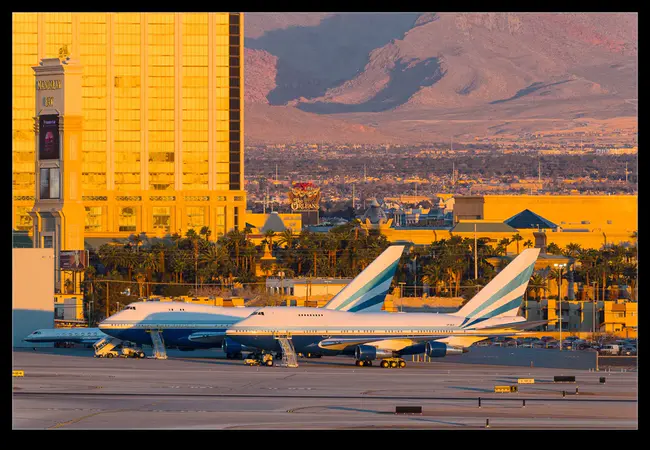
(90, 309)
(281, 274)
(559, 297)
(594, 305)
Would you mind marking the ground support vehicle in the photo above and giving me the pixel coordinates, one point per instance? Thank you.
(259, 359)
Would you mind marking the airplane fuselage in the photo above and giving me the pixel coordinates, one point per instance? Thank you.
(335, 332)
(181, 324)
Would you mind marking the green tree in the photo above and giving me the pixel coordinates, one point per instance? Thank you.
(517, 238)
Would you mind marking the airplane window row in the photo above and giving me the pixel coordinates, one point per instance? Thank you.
(311, 315)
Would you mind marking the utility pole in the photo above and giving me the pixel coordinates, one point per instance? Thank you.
(475, 256)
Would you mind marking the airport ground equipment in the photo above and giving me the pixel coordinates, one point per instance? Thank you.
(564, 379)
(505, 389)
(158, 343)
(526, 381)
(408, 410)
(259, 359)
(104, 348)
(289, 358)
(18, 373)
(132, 352)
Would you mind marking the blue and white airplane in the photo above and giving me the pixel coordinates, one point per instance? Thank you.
(78, 335)
(189, 326)
(389, 336)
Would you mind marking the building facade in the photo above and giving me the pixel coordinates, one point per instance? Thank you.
(161, 129)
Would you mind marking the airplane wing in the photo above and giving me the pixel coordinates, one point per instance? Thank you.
(518, 325)
(397, 343)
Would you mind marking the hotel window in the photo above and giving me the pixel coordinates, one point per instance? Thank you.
(195, 101)
(160, 86)
(221, 220)
(50, 184)
(94, 218)
(126, 219)
(161, 218)
(195, 217)
(24, 56)
(127, 100)
(236, 217)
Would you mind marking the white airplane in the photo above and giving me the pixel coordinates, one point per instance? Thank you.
(389, 336)
(189, 326)
(79, 335)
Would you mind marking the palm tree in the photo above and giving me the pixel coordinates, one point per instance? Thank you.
(110, 256)
(572, 250)
(286, 238)
(433, 276)
(553, 249)
(205, 231)
(528, 244)
(269, 235)
(516, 238)
(538, 282)
(137, 240)
(129, 260)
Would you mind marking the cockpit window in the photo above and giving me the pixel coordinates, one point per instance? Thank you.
(130, 307)
(258, 313)
(36, 332)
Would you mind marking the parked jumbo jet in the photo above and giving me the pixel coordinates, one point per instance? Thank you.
(198, 326)
(79, 335)
(389, 336)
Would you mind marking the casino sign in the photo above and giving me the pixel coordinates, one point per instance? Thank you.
(304, 197)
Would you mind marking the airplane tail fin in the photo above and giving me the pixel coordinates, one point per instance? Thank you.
(368, 290)
(502, 297)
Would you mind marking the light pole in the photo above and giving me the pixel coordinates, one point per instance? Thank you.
(90, 309)
(559, 297)
(594, 305)
(401, 295)
(281, 274)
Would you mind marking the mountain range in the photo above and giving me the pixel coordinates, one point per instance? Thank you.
(373, 78)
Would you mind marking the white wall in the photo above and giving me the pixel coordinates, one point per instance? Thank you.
(32, 276)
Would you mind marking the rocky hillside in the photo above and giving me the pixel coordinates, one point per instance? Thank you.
(427, 77)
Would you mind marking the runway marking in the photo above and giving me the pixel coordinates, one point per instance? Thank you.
(312, 396)
(79, 419)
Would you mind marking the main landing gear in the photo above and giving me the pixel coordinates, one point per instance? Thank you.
(393, 363)
(385, 363)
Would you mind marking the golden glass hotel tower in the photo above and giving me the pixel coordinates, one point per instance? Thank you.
(161, 128)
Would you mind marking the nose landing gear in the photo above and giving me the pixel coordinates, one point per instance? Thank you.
(362, 363)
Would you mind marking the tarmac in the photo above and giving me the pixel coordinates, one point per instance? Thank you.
(69, 389)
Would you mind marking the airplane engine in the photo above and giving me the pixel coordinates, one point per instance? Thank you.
(368, 353)
(231, 347)
(436, 349)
